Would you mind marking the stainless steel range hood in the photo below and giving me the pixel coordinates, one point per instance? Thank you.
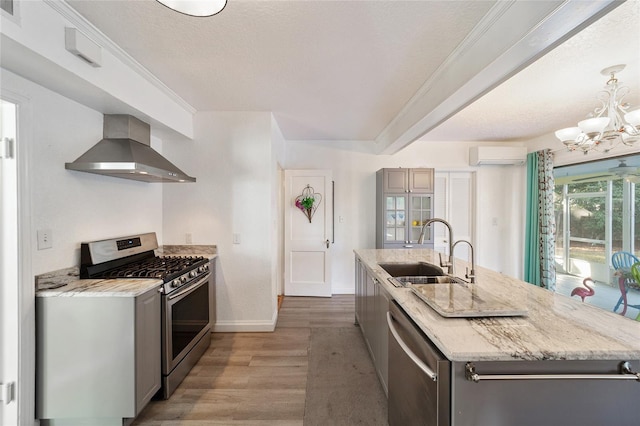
(126, 152)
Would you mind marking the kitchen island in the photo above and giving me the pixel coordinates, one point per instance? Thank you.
(557, 336)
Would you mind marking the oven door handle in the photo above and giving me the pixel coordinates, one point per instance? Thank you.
(191, 288)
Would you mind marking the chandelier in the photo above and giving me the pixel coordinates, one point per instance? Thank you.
(200, 8)
(605, 128)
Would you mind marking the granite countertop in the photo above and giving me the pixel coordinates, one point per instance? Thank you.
(67, 283)
(555, 327)
(209, 251)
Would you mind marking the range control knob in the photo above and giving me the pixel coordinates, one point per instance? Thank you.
(183, 279)
(175, 283)
(192, 274)
(201, 269)
(206, 266)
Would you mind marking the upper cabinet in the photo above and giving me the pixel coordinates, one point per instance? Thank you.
(404, 202)
(407, 180)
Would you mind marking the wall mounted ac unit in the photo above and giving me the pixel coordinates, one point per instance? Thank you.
(497, 155)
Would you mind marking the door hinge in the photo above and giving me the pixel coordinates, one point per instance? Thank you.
(6, 148)
(7, 392)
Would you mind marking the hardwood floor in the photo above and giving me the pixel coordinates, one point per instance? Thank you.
(253, 378)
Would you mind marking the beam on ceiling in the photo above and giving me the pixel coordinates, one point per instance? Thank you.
(512, 35)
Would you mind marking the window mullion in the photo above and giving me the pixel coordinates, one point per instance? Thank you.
(627, 217)
(608, 224)
(567, 227)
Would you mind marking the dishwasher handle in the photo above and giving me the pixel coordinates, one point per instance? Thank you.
(626, 373)
(417, 361)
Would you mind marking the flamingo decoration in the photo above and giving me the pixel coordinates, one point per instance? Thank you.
(584, 292)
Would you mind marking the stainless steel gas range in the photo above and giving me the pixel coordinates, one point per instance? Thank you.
(187, 283)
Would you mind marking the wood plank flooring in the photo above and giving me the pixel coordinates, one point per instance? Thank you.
(253, 378)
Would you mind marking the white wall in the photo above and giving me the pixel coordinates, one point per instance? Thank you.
(500, 195)
(76, 206)
(234, 162)
(33, 46)
(277, 207)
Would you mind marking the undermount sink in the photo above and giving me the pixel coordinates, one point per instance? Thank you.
(404, 274)
(416, 269)
(420, 280)
(440, 279)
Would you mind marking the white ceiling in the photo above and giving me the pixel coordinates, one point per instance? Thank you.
(343, 70)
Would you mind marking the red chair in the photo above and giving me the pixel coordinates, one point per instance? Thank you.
(622, 262)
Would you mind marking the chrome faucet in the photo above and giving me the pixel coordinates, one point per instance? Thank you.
(449, 263)
(470, 275)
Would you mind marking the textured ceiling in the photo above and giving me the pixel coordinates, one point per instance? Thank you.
(343, 70)
(327, 69)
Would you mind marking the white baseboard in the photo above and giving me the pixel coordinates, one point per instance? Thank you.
(248, 326)
(342, 289)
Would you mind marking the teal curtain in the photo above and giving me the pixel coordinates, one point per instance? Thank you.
(532, 229)
(539, 262)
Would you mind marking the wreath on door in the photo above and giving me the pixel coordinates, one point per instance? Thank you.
(308, 202)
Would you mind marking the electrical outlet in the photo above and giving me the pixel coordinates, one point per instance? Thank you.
(45, 239)
(188, 238)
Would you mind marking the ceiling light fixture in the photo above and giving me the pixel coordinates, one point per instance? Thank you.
(199, 8)
(605, 128)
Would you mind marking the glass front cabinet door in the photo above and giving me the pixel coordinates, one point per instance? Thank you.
(402, 213)
(421, 210)
(396, 219)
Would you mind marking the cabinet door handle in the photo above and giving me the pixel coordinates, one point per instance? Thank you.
(417, 361)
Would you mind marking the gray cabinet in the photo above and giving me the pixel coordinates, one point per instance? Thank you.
(407, 180)
(372, 304)
(148, 344)
(404, 202)
(97, 357)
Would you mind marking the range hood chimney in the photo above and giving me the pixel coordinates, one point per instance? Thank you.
(125, 152)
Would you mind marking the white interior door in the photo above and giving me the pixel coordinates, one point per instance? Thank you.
(455, 203)
(9, 338)
(307, 263)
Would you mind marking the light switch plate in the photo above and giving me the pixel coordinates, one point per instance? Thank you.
(236, 238)
(45, 239)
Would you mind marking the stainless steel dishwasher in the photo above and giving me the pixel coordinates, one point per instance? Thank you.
(419, 375)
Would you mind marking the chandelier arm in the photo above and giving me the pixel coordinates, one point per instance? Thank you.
(604, 96)
(613, 111)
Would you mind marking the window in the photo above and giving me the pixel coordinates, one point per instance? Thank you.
(597, 210)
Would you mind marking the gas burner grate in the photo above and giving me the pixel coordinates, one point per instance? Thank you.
(160, 267)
